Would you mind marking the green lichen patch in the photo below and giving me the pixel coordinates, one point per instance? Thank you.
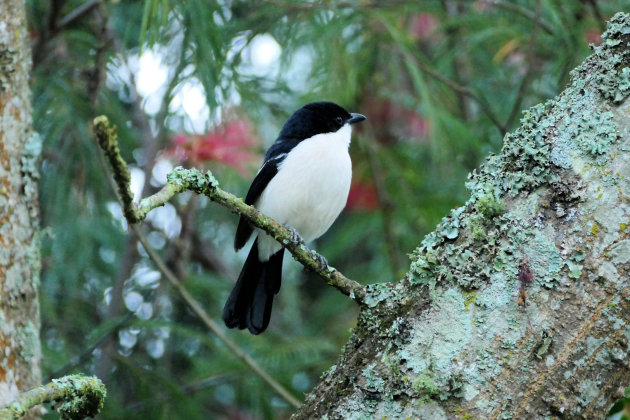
(377, 293)
(544, 257)
(575, 264)
(439, 336)
(373, 382)
(8, 57)
(425, 384)
(613, 75)
(620, 252)
(498, 293)
(192, 179)
(489, 206)
(83, 396)
(525, 160)
(595, 134)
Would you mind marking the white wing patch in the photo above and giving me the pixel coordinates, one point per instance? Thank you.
(274, 159)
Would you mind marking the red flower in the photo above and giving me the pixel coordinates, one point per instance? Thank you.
(423, 25)
(231, 144)
(391, 122)
(362, 196)
(593, 36)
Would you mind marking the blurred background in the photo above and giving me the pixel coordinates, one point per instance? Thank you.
(208, 84)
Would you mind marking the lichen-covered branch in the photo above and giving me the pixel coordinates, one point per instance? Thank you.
(76, 396)
(107, 137)
(182, 179)
(518, 304)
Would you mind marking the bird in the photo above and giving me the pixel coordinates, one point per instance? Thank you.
(303, 184)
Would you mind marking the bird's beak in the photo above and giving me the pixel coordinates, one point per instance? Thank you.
(356, 118)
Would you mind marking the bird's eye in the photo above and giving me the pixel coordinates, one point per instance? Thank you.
(339, 120)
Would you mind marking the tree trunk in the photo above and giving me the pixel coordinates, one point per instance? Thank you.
(518, 304)
(19, 242)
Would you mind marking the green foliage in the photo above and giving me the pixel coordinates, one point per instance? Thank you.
(440, 81)
(622, 406)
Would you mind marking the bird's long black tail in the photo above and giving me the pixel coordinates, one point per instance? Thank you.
(249, 304)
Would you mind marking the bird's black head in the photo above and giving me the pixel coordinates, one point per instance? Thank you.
(318, 118)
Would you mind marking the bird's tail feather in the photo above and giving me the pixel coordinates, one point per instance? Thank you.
(249, 305)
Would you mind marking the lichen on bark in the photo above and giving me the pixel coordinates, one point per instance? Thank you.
(19, 241)
(76, 396)
(518, 304)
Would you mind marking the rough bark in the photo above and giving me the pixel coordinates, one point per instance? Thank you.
(518, 304)
(19, 242)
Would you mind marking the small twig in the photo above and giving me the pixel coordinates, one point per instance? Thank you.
(464, 90)
(79, 397)
(107, 137)
(205, 253)
(528, 72)
(86, 353)
(601, 21)
(458, 65)
(56, 24)
(210, 323)
(521, 11)
(181, 179)
(77, 13)
(188, 389)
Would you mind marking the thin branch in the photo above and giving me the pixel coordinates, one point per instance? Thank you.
(458, 65)
(56, 24)
(521, 11)
(79, 397)
(181, 179)
(464, 90)
(86, 353)
(205, 253)
(413, 64)
(210, 323)
(528, 72)
(77, 13)
(187, 389)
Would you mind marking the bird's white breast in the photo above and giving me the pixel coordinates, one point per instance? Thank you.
(310, 189)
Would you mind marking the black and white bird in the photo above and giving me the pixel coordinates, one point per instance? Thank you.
(303, 184)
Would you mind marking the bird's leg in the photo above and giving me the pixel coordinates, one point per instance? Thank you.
(294, 237)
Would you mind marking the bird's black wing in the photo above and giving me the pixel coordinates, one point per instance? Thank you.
(275, 155)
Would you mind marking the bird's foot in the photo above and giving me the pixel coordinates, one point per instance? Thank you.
(294, 237)
(321, 261)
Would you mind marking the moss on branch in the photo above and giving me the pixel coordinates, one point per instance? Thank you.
(77, 396)
(107, 136)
